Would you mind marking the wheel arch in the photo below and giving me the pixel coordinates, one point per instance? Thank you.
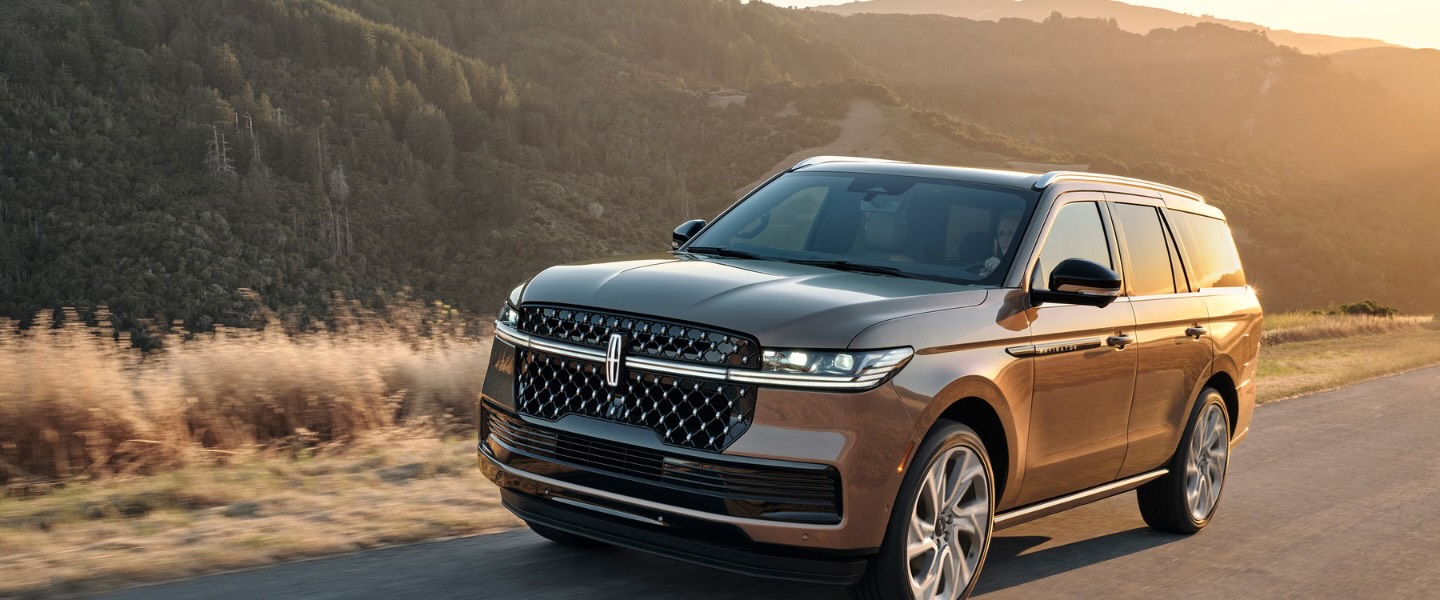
(979, 415)
(1224, 383)
(980, 404)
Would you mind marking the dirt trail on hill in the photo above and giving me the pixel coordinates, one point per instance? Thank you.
(862, 133)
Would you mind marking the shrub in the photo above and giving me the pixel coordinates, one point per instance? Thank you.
(1367, 307)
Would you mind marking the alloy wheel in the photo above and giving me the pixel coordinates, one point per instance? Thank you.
(1205, 467)
(949, 525)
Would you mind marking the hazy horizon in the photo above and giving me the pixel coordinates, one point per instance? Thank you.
(1403, 22)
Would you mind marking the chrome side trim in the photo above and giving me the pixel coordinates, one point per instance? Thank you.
(1058, 176)
(1050, 507)
(1053, 347)
(649, 504)
(867, 378)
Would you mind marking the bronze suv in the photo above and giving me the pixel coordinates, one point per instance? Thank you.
(862, 369)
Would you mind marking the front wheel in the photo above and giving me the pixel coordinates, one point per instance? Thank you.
(939, 531)
(1184, 500)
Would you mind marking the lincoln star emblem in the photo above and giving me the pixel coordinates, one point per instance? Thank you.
(614, 359)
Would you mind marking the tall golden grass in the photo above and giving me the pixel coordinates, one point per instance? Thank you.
(1286, 328)
(76, 402)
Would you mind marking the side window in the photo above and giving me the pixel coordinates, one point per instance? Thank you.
(787, 226)
(1177, 266)
(1147, 253)
(1077, 232)
(1209, 249)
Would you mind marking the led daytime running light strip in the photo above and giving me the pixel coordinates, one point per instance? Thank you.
(868, 377)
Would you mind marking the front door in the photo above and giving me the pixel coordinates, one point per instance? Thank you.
(1084, 375)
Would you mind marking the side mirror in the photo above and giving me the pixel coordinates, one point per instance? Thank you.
(1080, 281)
(684, 232)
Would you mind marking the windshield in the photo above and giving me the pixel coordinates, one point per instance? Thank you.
(938, 229)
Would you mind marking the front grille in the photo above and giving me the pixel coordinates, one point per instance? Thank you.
(645, 336)
(798, 492)
(692, 413)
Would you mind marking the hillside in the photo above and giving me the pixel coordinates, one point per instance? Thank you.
(162, 154)
(1132, 18)
(1408, 73)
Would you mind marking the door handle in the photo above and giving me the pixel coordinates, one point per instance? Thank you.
(1195, 332)
(1120, 341)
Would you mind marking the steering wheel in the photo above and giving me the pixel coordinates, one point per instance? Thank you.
(975, 267)
(748, 233)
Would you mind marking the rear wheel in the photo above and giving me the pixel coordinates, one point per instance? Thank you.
(939, 531)
(1184, 500)
(563, 537)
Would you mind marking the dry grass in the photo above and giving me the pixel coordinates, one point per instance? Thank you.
(1292, 369)
(75, 403)
(1284, 328)
(383, 488)
(234, 448)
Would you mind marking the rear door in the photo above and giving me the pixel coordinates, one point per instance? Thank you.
(1234, 318)
(1173, 352)
(1081, 401)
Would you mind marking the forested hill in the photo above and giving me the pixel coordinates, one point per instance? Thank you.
(159, 155)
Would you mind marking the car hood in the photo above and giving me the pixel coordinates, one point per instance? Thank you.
(781, 304)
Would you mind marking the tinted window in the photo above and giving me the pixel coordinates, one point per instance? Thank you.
(1209, 250)
(1077, 232)
(787, 226)
(1147, 257)
(961, 232)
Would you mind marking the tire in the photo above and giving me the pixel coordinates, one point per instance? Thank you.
(563, 537)
(956, 454)
(1184, 500)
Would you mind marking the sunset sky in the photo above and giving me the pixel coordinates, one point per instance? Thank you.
(1406, 22)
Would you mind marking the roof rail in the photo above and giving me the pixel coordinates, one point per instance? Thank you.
(1058, 176)
(816, 160)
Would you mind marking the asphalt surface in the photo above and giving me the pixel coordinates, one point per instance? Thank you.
(1335, 495)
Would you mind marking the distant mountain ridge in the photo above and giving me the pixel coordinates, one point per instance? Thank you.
(1137, 19)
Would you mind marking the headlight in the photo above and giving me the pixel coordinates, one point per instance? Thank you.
(508, 316)
(826, 369)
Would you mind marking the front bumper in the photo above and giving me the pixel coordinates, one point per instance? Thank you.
(860, 437)
(682, 535)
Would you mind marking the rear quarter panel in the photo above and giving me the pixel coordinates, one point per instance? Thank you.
(1235, 326)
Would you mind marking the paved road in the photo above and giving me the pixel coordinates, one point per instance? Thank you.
(1333, 496)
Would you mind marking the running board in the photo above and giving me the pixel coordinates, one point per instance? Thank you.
(1049, 507)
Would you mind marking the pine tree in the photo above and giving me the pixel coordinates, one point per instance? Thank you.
(223, 71)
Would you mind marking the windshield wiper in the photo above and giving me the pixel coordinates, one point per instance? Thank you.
(727, 252)
(845, 265)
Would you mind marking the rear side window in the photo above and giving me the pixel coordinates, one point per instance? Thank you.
(1147, 256)
(1209, 250)
(1077, 232)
